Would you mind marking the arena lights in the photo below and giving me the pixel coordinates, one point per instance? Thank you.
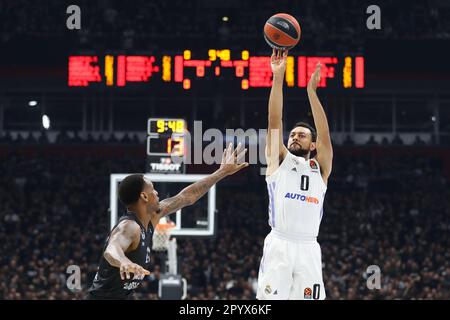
(337, 72)
(45, 122)
(32, 103)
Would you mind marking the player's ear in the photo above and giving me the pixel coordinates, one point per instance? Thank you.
(144, 197)
(312, 146)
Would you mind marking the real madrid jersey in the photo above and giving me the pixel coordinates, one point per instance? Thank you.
(296, 195)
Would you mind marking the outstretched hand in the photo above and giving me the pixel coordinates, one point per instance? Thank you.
(278, 62)
(128, 268)
(233, 160)
(315, 77)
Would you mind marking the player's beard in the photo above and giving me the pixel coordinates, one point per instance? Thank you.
(299, 151)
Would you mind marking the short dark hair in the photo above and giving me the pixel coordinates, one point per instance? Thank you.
(130, 188)
(308, 126)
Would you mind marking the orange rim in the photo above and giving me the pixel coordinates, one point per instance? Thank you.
(164, 227)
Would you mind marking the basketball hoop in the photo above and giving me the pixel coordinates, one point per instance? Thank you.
(161, 236)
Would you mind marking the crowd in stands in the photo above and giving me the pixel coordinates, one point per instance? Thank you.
(324, 21)
(389, 211)
(106, 138)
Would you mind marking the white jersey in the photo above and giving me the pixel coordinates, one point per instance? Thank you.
(296, 194)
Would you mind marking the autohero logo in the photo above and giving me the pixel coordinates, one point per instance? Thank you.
(301, 197)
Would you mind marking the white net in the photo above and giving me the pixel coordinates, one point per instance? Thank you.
(161, 236)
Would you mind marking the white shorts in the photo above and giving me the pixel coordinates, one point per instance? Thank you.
(290, 269)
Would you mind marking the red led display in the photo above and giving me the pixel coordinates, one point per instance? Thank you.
(82, 70)
(121, 71)
(302, 74)
(307, 65)
(252, 71)
(135, 69)
(199, 66)
(260, 74)
(178, 68)
(359, 72)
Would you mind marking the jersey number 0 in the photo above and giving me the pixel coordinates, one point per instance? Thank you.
(304, 183)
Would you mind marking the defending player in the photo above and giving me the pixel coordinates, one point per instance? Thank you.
(127, 250)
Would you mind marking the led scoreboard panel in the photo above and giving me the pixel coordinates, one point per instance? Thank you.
(165, 138)
(186, 70)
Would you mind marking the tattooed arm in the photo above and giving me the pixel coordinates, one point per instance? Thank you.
(232, 161)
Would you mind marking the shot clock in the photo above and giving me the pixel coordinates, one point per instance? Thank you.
(165, 139)
(161, 126)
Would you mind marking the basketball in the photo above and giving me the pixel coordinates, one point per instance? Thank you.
(282, 31)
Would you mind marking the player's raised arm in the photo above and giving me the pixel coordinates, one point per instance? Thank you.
(275, 149)
(125, 236)
(323, 144)
(232, 161)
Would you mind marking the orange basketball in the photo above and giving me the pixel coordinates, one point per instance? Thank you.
(282, 31)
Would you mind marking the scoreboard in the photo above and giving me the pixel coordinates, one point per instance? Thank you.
(165, 139)
(186, 70)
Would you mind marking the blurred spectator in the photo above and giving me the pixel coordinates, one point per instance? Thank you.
(390, 211)
(371, 141)
(348, 141)
(327, 22)
(397, 140)
(43, 139)
(418, 141)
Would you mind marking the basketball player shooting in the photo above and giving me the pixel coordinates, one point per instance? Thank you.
(291, 266)
(126, 254)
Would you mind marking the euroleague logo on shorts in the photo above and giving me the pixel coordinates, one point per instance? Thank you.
(268, 289)
(307, 293)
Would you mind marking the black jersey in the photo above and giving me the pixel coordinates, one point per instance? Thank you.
(107, 283)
